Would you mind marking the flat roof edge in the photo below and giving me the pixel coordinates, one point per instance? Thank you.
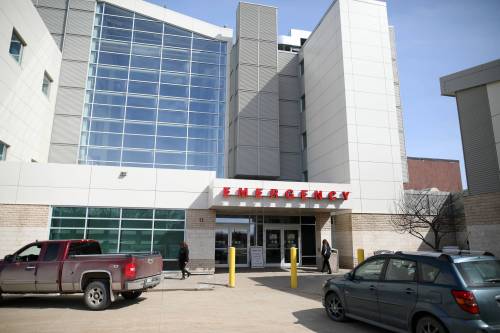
(471, 77)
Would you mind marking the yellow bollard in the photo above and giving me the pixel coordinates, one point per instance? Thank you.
(361, 256)
(293, 270)
(232, 265)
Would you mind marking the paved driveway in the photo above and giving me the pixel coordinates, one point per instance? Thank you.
(261, 302)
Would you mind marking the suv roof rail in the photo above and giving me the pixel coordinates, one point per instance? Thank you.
(467, 252)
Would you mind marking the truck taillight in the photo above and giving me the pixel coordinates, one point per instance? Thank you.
(466, 301)
(129, 270)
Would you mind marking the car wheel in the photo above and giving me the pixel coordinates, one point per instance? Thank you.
(131, 294)
(96, 295)
(335, 307)
(430, 324)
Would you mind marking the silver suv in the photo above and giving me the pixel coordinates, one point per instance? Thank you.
(420, 292)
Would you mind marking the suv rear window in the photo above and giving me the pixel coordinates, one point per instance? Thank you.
(84, 248)
(480, 273)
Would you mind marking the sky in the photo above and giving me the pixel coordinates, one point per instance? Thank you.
(434, 38)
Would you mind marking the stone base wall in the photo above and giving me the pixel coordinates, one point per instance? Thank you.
(22, 224)
(200, 237)
(323, 230)
(373, 232)
(482, 215)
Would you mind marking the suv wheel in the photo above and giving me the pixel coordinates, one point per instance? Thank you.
(430, 324)
(335, 307)
(96, 295)
(131, 294)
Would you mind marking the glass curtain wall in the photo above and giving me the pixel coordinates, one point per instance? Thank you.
(123, 229)
(155, 95)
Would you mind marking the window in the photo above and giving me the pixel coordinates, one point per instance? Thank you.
(370, 270)
(401, 270)
(17, 45)
(304, 141)
(47, 80)
(51, 252)
(3, 151)
(303, 103)
(305, 176)
(84, 248)
(302, 68)
(428, 273)
(480, 273)
(30, 253)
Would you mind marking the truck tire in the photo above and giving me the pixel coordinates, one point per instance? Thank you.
(96, 295)
(131, 294)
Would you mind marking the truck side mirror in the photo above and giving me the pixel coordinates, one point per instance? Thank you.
(9, 258)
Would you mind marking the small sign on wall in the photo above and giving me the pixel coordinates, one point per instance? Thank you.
(257, 256)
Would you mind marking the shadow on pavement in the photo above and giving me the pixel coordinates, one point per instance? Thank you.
(74, 302)
(317, 321)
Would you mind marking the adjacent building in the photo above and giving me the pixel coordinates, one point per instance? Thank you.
(477, 92)
(166, 128)
(440, 174)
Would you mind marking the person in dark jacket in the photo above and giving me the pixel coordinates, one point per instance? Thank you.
(183, 259)
(326, 251)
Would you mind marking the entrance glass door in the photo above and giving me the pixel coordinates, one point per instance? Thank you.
(278, 242)
(273, 246)
(231, 235)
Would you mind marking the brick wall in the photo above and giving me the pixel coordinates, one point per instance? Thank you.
(323, 230)
(482, 216)
(426, 173)
(22, 224)
(200, 236)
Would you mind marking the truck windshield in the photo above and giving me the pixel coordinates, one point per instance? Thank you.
(84, 248)
(480, 273)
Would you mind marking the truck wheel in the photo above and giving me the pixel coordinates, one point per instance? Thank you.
(96, 295)
(131, 294)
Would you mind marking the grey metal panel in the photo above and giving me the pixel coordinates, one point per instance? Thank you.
(247, 159)
(267, 23)
(248, 18)
(247, 132)
(82, 4)
(63, 153)
(76, 48)
(289, 113)
(471, 77)
(288, 63)
(268, 54)
(61, 4)
(247, 77)
(73, 74)
(248, 51)
(269, 165)
(53, 18)
(80, 22)
(248, 104)
(289, 139)
(290, 167)
(268, 79)
(269, 134)
(66, 129)
(70, 101)
(268, 106)
(59, 40)
(478, 141)
(288, 87)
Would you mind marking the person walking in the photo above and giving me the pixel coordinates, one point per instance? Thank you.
(326, 252)
(183, 259)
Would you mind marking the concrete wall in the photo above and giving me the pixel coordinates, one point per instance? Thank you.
(482, 213)
(200, 236)
(494, 100)
(323, 230)
(22, 224)
(26, 113)
(253, 123)
(351, 117)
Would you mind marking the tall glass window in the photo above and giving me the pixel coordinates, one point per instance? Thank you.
(123, 229)
(16, 46)
(155, 95)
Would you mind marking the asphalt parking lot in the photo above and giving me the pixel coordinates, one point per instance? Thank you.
(261, 302)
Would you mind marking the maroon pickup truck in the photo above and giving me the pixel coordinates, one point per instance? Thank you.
(75, 266)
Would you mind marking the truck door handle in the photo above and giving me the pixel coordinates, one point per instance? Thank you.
(372, 288)
(29, 268)
(410, 291)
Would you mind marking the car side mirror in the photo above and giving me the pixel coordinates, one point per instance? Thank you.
(8, 258)
(348, 276)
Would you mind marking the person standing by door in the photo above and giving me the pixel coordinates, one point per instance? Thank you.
(183, 259)
(326, 252)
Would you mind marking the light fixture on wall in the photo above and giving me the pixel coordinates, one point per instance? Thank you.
(122, 174)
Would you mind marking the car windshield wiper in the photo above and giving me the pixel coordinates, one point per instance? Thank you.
(492, 280)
